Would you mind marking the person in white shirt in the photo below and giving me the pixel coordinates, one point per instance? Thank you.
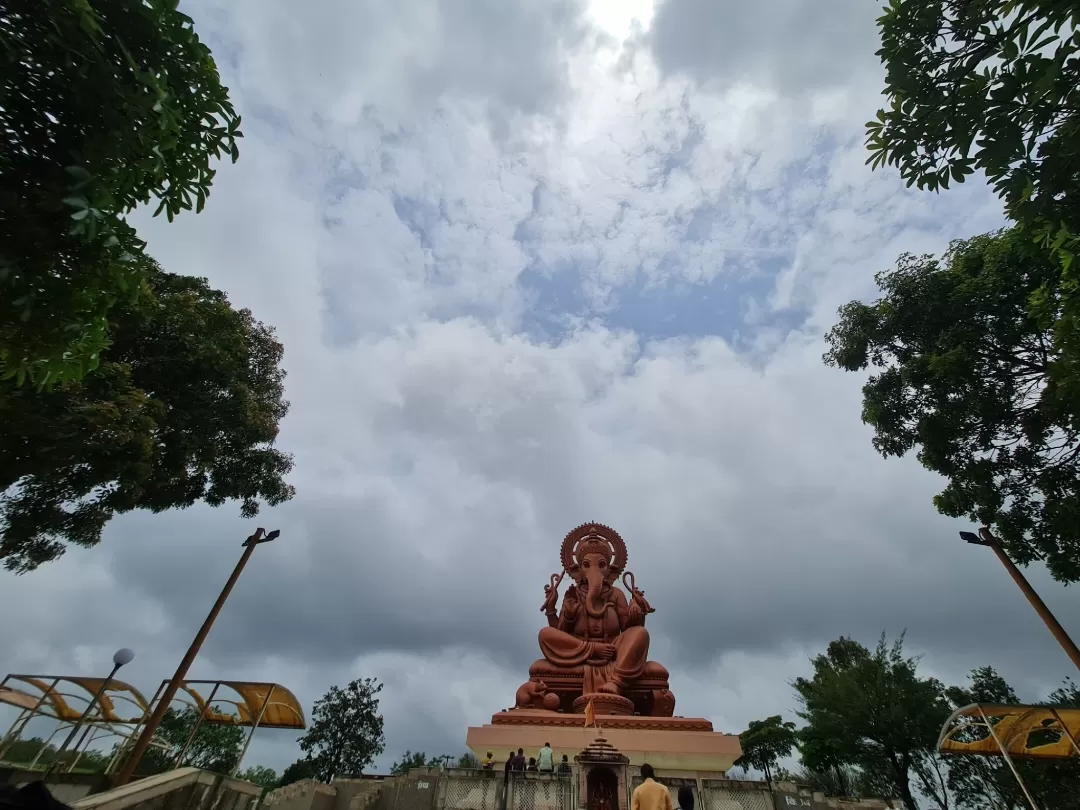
(545, 761)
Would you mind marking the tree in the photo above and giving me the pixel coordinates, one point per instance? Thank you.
(216, 746)
(184, 407)
(411, 760)
(843, 780)
(346, 731)
(260, 775)
(979, 782)
(106, 105)
(968, 375)
(765, 743)
(991, 85)
(823, 760)
(24, 752)
(301, 769)
(468, 760)
(879, 715)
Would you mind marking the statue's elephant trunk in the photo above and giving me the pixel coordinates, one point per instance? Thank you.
(594, 605)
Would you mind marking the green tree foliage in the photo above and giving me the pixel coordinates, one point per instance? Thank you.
(301, 769)
(765, 743)
(260, 775)
(843, 780)
(184, 407)
(467, 760)
(992, 85)
(411, 760)
(979, 782)
(216, 746)
(346, 730)
(968, 375)
(106, 105)
(24, 752)
(824, 768)
(984, 84)
(879, 715)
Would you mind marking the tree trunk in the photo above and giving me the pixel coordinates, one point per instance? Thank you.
(906, 796)
(901, 773)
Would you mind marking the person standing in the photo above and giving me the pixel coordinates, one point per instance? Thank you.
(505, 796)
(686, 798)
(564, 766)
(518, 764)
(650, 794)
(545, 760)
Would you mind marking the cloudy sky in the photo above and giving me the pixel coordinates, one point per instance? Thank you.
(536, 263)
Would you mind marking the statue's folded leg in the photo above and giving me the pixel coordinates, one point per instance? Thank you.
(563, 649)
(631, 653)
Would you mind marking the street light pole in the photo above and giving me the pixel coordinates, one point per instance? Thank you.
(985, 538)
(120, 657)
(167, 696)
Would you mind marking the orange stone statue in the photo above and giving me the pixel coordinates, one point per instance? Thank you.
(596, 647)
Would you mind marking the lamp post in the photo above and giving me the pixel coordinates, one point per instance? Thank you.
(167, 696)
(120, 658)
(985, 538)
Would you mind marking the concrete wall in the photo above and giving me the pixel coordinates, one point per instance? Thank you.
(182, 789)
(462, 789)
(355, 794)
(65, 787)
(307, 794)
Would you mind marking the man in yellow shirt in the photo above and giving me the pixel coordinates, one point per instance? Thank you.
(651, 795)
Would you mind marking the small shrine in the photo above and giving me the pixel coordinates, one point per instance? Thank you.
(595, 651)
(602, 777)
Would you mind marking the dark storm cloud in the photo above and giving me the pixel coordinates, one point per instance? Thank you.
(354, 582)
(789, 45)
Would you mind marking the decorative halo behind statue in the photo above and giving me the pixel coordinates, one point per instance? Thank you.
(594, 536)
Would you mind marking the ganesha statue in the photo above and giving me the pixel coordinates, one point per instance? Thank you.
(596, 646)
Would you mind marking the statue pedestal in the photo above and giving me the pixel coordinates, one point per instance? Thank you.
(605, 704)
(670, 744)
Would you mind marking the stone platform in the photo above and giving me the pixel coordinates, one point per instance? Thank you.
(676, 745)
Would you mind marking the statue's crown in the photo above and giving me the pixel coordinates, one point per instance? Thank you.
(593, 545)
(593, 538)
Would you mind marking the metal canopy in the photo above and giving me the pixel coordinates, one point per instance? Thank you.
(46, 697)
(276, 705)
(1032, 732)
(65, 698)
(51, 696)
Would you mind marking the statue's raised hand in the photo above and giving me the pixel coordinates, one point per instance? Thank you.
(551, 594)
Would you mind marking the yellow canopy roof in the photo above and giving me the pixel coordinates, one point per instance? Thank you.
(1038, 732)
(270, 705)
(56, 703)
(106, 705)
(16, 697)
